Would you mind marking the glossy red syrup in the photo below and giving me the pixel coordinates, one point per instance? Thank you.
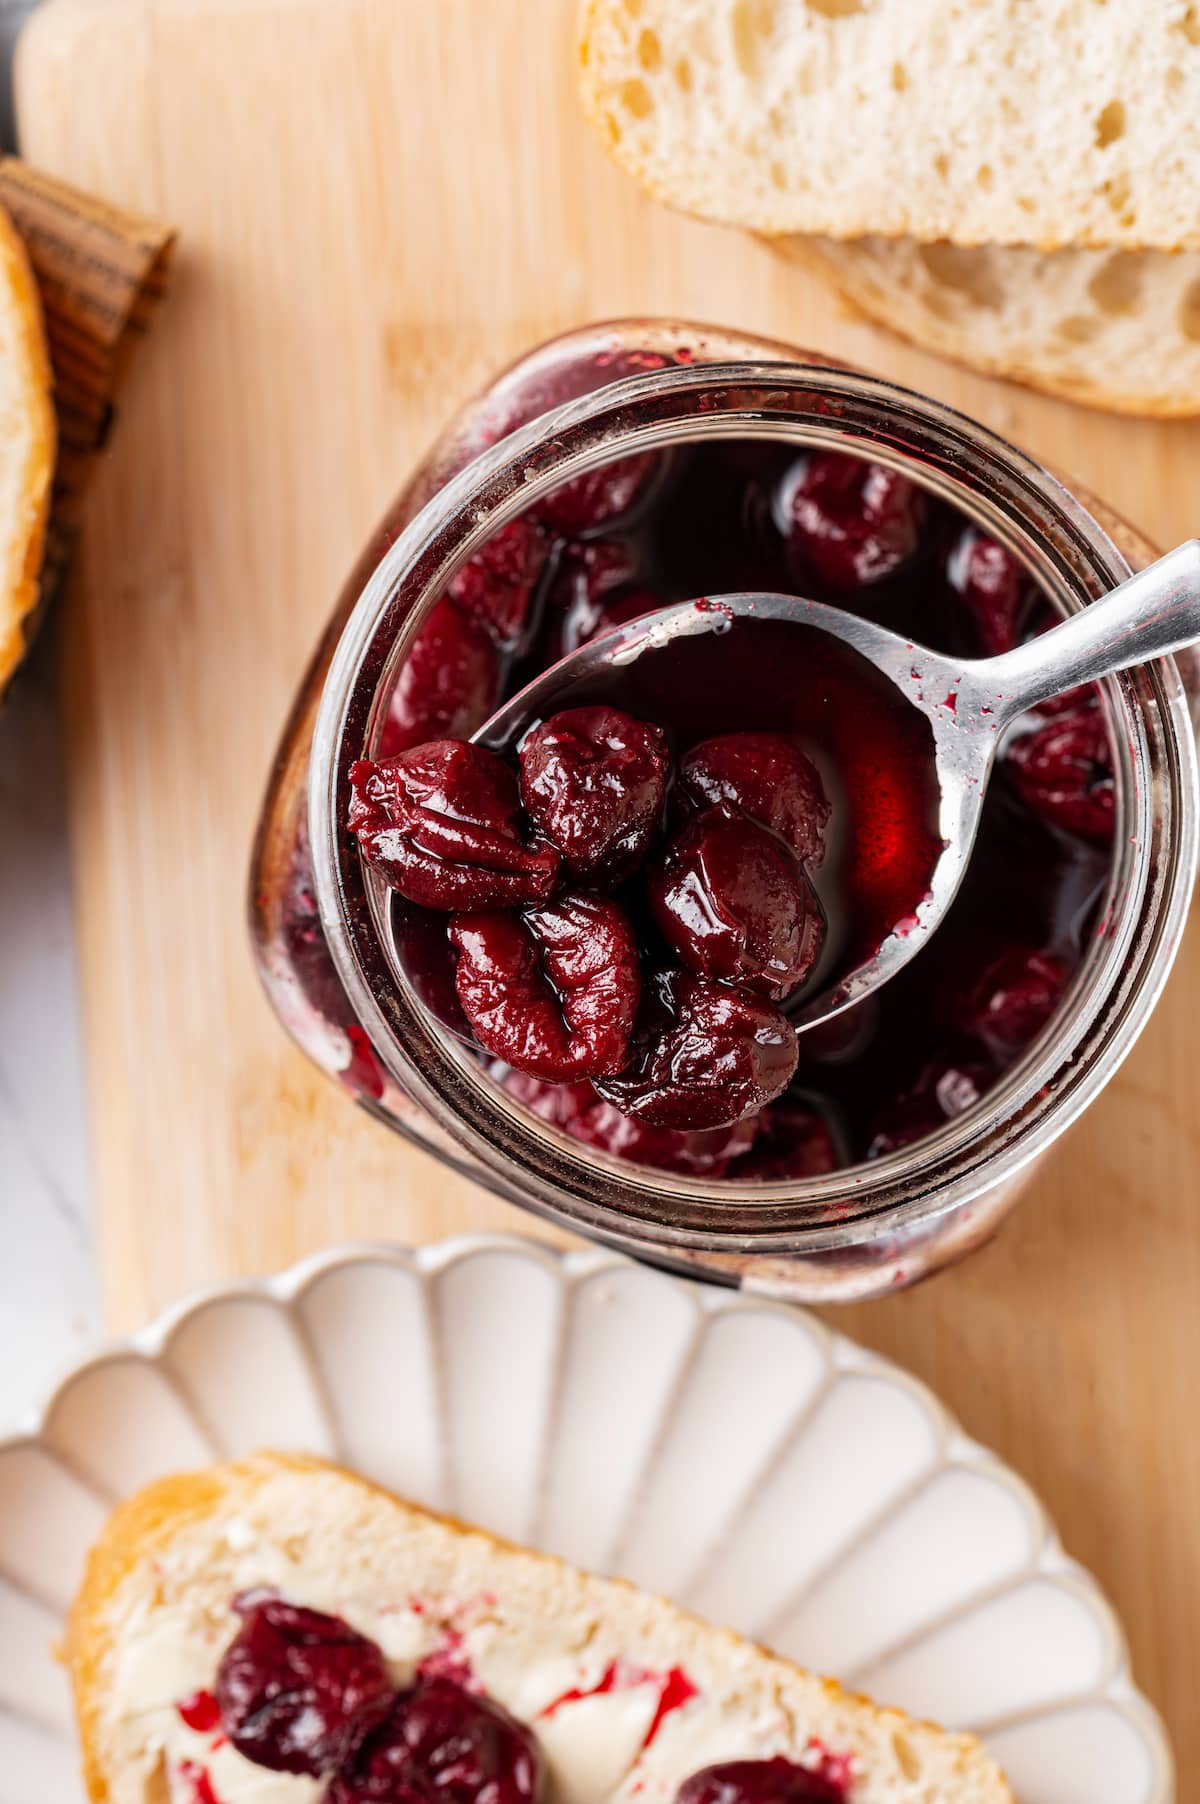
(198, 1777)
(676, 1691)
(674, 1687)
(448, 1660)
(200, 1712)
(838, 1769)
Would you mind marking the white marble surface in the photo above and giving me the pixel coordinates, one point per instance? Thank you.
(49, 1306)
(48, 1296)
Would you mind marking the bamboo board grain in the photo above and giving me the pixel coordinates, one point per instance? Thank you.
(380, 201)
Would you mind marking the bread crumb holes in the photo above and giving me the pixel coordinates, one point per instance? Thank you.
(961, 268)
(1116, 286)
(635, 98)
(1079, 328)
(907, 1758)
(1189, 312)
(1189, 25)
(1110, 124)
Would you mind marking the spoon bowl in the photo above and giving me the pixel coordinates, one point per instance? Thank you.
(966, 703)
(936, 686)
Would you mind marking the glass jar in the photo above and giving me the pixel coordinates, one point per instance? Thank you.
(320, 918)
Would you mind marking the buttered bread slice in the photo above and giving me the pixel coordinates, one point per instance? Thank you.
(278, 1631)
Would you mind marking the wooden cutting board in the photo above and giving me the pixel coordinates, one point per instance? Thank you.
(380, 201)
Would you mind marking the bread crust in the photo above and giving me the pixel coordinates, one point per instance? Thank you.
(143, 1528)
(23, 534)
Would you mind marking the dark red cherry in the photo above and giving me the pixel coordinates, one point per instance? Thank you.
(443, 1745)
(578, 1110)
(448, 685)
(776, 1781)
(958, 1086)
(1014, 999)
(902, 1122)
(794, 1141)
(595, 588)
(496, 588)
(1064, 771)
(559, 1104)
(766, 777)
(593, 782)
(441, 823)
(854, 523)
(307, 951)
(593, 570)
(700, 1153)
(992, 586)
(299, 1690)
(599, 497)
(734, 903)
(1070, 701)
(945, 1089)
(618, 610)
(554, 991)
(703, 1055)
(845, 1037)
(579, 626)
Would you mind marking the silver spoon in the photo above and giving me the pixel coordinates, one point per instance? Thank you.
(1153, 613)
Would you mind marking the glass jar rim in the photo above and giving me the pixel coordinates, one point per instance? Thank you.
(992, 482)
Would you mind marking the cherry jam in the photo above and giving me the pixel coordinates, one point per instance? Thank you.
(298, 1691)
(873, 752)
(740, 515)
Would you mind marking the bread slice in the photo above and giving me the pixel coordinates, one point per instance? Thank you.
(1113, 329)
(153, 1617)
(27, 443)
(979, 121)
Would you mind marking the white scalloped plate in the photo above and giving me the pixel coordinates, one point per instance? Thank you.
(732, 1453)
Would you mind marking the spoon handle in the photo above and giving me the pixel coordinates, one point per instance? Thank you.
(1153, 613)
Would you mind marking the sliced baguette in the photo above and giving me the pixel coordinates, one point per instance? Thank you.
(1048, 122)
(153, 1616)
(1112, 329)
(27, 444)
